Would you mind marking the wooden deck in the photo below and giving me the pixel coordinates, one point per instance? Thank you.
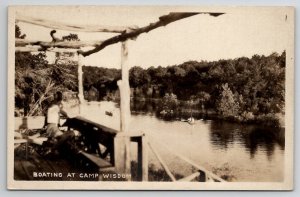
(59, 168)
(81, 159)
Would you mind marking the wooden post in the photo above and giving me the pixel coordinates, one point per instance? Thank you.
(202, 176)
(26, 150)
(122, 140)
(122, 154)
(145, 158)
(124, 89)
(80, 83)
(142, 158)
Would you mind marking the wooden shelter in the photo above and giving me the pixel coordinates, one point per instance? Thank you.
(124, 137)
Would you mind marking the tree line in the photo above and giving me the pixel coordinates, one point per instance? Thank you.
(243, 89)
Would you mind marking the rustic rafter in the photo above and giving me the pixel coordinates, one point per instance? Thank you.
(132, 34)
(31, 48)
(126, 33)
(60, 44)
(68, 27)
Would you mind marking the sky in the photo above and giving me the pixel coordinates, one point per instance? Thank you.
(239, 32)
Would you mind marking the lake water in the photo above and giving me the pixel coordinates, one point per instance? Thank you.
(245, 152)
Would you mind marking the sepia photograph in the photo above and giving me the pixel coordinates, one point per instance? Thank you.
(150, 98)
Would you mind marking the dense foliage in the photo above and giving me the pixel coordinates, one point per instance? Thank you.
(36, 80)
(241, 89)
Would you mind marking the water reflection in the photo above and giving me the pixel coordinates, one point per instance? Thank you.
(254, 153)
(223, 135)
(144, 106)
(252, 137)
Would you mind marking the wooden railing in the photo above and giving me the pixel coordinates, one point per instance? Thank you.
(144, 144)
(202, 173)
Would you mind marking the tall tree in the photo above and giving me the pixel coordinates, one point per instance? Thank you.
(228, 105)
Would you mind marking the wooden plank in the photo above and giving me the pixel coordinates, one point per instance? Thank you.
(16, 146)
(19, 172)
(94, 124)
(26, 151)
(31, 122)
(122, 154)
(101, 163)
(71, 27)
(20, 141)
(164, 165)
(80, 83)
(139, 157)
(23, 169)
(38, 141)
(59, 44)
(41, 163)
(163, 21)
(190, 177)
(207, 172)
(64, 167)
(34, 136)
(142, 157)
(29, 168)
(39, 48)
(145, 158)
(108, 169)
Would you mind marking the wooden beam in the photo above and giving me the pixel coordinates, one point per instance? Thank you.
(122, 142)
(163, 21)
(29, 48)
(122, 154)
(101, 163)
(60, 44)
(124, 89)
(142, 157)
(145, 157)
(184, 158)
(80, 83)
(79, 120)
(164, 165)
(68, 27)
(190, 177)
(20, 141)
(30, 122)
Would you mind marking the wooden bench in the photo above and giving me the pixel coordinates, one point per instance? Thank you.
(93, 135)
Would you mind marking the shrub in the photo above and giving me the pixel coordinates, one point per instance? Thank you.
(246, 116)
(228, 106)
(269, 119)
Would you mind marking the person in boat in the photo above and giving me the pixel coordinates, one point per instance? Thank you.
(53, 118)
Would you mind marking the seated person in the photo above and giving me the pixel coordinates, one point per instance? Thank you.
(53, 117)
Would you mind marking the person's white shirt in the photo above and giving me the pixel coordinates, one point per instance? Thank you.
(53, 114)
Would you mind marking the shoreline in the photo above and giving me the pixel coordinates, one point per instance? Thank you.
(271, 120)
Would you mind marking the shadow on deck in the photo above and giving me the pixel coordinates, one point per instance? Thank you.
(62, 167)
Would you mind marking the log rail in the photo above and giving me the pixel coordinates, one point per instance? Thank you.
(78, 28)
